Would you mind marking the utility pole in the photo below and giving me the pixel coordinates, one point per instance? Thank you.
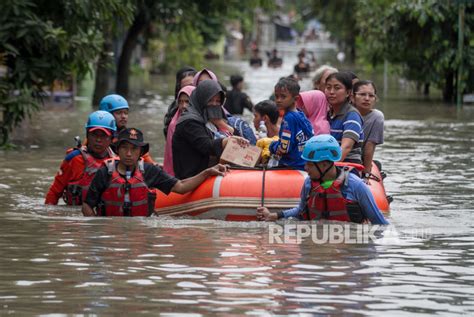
(460, 54)
(385, 66)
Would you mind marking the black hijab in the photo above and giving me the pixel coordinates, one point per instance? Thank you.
(199, 99)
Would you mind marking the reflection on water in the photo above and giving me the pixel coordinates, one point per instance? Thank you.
(108, 265)
(56, 262)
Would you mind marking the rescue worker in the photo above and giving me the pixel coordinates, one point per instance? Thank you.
(80, 164)
(118, 107)
(123, 187)
(330, 192)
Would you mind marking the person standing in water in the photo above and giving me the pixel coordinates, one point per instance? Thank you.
(123, 188)
(236, 99)
(329, 192)
(80, 164)
(118, 107)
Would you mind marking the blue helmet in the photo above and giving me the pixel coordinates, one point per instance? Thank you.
(113, 103)
(323, 147)
(101, 119)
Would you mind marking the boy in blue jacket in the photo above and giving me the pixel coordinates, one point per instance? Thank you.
(295, 128)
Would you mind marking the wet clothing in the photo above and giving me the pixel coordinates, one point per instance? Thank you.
(193, 143)
(72, 171)
(316, 106)
(348, 124)
(236, 101)
(295, 130)
(153, 176)
(354, 190)
(325, 201)
(275, 62)
(127, 196)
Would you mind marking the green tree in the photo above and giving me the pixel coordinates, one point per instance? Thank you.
(339, 18)
(41, 41)
(207, 18)
(420, 37)
(171, 49)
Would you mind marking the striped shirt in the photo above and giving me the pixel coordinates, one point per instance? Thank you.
(348, 124)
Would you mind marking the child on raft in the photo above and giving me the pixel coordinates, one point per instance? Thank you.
(295, 128)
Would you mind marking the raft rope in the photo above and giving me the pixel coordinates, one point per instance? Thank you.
(262, 202)
(264, 169)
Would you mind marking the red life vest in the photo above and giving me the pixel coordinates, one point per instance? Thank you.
(330, 204)
(76, 191)
(141, 199)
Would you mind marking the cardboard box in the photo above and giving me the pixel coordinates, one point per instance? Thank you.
(242, 156)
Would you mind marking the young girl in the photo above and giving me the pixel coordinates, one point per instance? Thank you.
(314, 105)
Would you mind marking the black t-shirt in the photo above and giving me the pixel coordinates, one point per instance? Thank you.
(301, 68)
(236, 101)
(255, 61)
(154, 177)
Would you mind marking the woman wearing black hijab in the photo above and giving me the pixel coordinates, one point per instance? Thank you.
(194, 145)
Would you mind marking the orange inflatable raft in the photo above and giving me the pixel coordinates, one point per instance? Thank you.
(236, 196)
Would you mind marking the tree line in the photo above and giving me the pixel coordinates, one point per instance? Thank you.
(42, 41)
(418, 38)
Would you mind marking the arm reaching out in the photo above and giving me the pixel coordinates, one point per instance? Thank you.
(186, 185)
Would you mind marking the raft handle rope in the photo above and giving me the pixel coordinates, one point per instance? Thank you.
(262, 202)
(258, 168)
(373, 177)
(127, 205)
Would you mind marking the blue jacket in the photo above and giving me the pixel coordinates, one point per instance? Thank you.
(355, 190)
(295, 130)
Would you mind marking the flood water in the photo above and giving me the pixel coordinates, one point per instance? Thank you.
(54, 262)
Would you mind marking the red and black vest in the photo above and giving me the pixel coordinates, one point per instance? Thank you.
(76, 191)
(330, 204)
(127, 197)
